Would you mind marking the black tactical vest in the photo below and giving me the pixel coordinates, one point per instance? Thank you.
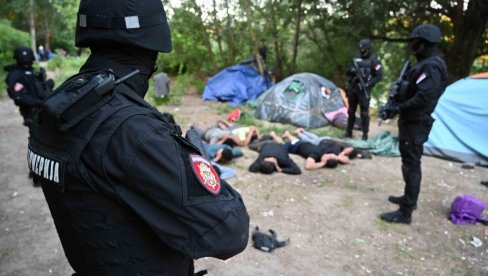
(100, 235)
(412, 75)
(365, 65)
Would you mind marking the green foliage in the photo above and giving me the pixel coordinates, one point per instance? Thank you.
(189, 52)
(65, 66)
(480, 65)
(11, 38)
(63, 23)
(323, 34)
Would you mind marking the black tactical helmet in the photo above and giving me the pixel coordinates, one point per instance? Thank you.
(364, 47)
(24, 56)
(365, 44)
(429, 32)
(140, 23)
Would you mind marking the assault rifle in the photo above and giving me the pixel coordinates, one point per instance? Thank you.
(398, 86)
(359, 75)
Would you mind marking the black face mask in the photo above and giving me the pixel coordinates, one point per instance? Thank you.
(417, 45)
(133, 58)
(422, 48)
(364, 52)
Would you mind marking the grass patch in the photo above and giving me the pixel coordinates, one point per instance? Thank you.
(324, 183)
(351, 186)
(384, 226)
(404, 253)
(348, 201)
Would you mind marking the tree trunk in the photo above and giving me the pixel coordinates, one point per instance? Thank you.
(206, 38)
(229, 37)
(296, 39)
(275, 36)
(47, 34)
(32, 25)
(468, 31)
(218, 31)
(250, 20)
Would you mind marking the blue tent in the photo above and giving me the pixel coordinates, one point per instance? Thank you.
(460, 130)
(236, 84)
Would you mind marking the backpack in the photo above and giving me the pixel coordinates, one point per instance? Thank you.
(467, 209)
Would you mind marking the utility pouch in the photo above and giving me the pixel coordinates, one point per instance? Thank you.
(78, 97)
(402, 90)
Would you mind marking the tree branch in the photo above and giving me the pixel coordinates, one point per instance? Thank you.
(385, 38)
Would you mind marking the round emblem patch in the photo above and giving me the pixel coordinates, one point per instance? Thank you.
(205, 173)
(18, 87)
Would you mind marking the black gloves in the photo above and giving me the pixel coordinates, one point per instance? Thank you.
(389, 112)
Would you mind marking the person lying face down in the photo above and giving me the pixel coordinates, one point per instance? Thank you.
(343, 152)
(273, 157)
(315, 157)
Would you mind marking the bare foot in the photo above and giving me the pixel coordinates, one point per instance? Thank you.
(299, 130)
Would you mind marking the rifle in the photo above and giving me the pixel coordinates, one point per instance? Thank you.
(398, 86)
(359, 75)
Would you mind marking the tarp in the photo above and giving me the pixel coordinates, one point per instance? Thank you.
(236, 84)
(460, 130)
(299, 100)
(383, 144)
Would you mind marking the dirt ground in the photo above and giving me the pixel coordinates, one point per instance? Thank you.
(330, 216)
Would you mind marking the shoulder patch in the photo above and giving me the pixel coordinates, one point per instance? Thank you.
(377, 67)
(48, 168)
(422, 77)
(205, 173)
(18, 87)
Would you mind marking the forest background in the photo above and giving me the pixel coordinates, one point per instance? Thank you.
(301, 35)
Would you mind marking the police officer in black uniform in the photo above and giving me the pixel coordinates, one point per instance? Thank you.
(371, 73)
(128, 194)
(425, 82)
(26, 86)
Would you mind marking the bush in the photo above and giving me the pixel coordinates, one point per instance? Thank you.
(65, 66)
(11, 38)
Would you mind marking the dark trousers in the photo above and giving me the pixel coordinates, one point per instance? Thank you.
(412, 173)
(356, 98)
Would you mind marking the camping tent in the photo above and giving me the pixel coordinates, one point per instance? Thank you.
(236, 84)
(460, 130)
(298, 100)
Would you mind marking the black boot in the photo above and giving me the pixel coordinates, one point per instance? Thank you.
(365, 137)
(347, 134)
(399, 200)
(396, 217)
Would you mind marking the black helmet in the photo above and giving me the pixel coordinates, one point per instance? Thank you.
(429, 32)
(364, 47)
(24, 56)
(140, 23)
(365, 43)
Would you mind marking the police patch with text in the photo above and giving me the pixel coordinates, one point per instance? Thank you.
(49, 169)
(205, 173)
